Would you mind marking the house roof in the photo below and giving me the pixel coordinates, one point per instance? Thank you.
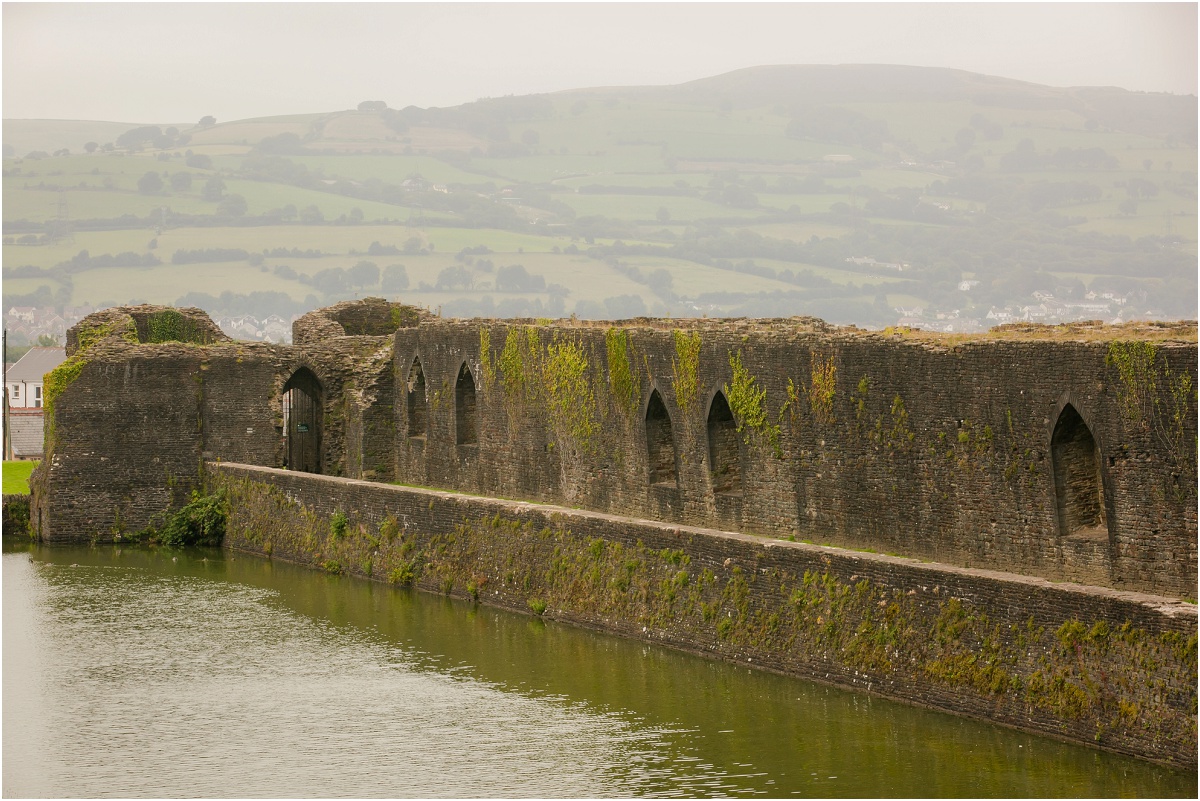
(26, 432)
(36, 363)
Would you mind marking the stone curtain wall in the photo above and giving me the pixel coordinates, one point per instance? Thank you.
(1095, 666)
(854, 439)
(898, 444)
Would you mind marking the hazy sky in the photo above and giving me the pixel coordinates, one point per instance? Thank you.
(167, 62)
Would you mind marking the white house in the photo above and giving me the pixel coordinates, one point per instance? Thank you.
(24, 379)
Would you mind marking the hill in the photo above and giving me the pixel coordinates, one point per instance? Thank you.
(864, 194)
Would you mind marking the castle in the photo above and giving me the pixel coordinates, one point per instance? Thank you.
(1037, 454)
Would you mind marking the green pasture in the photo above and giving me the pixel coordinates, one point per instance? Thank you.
(643, 207)
(391, 169)
(843, 277)
(39, 206)
(636, 180)
(799, 230)
(548, 167)
(250, 132)
(16, 477)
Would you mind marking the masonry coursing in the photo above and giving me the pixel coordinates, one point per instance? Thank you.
(1040, 453)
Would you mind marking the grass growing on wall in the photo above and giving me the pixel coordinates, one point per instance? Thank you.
(16, 477)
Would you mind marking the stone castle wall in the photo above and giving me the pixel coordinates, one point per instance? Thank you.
(1031, 452)
(1101, 667)
(867, 441)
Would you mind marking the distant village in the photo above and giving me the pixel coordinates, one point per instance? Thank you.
(1108, 307)
(29, 325)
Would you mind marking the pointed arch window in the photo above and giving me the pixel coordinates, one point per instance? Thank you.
(660, 442)
(1078, 486)
(723, 457)
(466, 423)
(418, 403)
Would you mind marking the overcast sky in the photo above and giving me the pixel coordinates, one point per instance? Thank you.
(166, 62)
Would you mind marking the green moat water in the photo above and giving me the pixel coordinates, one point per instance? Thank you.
(138, 672)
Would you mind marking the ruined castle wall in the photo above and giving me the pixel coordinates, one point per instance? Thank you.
(936, 452)
(1096, 666)
(124, 445)
(946, 452)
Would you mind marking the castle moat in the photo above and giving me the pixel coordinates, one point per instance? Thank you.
(143, 672)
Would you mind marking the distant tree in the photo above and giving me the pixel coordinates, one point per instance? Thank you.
(47, 341)
(214, 189)
(372, 105)
(311, 215)
(136, 138)
(663, 215)
(10, 152)
(208, 121)
(965, 139)
(232, 206)
(288, 212)
(363, 274)
(199, 161)
(412, 245)
(454, 277)
(395, 278)
(1147, 164)
(90, 147)
(172, 132)
(531, 138)
(150, 183)
(356, 214)
(181, 181)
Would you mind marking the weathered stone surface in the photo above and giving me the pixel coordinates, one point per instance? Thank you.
(1011, 460)
(1093, 665)
(931, 447)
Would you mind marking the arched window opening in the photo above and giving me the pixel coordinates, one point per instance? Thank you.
(465, 423)
(418, 404)
(724, 464)
(302, 422)
(1078, 487)
(660, 443)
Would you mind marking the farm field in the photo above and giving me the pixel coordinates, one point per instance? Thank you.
(751, 191)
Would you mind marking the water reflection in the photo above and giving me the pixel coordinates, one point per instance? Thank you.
(140, 672)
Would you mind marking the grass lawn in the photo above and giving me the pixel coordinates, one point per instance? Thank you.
(16, 477)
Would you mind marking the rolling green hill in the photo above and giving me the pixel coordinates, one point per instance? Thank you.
(861, 194)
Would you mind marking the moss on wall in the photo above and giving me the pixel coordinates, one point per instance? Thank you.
(1068, 670)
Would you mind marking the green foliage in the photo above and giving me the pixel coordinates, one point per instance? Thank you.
(486, 368)
(746, 401)
(571, 400)
(338, 522)
(626, 389)
(201, 522)
(171, 326)
(1155, 398)
(537, 606)
(685, 367)
(822, 389)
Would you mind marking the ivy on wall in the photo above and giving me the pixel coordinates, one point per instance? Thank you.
(1155, 398)
(747, 402)
(626, 388)
(685, 367)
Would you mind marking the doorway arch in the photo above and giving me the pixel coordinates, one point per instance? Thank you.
(302, 422)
